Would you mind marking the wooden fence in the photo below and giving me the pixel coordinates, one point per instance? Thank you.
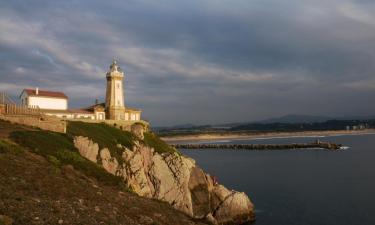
(9, 107)
(5, 99)
(13, 109)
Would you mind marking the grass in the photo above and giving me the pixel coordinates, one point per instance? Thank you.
(109, 137)
(59, 150)
(159, 145)
(104, 135)
(8, 147)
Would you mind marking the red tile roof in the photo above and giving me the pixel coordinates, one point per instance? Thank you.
(43, 93)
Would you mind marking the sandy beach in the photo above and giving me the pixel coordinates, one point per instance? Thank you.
(238, 136)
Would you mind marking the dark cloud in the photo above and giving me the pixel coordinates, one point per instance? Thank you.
(197, 61)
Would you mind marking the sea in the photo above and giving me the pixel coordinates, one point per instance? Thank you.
(300, 187)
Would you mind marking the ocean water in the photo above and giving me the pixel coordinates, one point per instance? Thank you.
(301, 187)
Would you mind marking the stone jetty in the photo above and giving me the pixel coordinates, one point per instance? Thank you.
(314, 145)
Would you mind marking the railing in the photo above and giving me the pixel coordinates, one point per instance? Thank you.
(10, 107)
(13, 109)
(5, 99)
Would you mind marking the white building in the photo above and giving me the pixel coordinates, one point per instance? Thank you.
(49, 100)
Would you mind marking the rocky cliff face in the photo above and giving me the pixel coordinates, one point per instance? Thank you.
(173, 178)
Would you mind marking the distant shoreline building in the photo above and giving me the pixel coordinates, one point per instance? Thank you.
(54, 103)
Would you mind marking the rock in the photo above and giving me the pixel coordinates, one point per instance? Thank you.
(145, 220)
(135, 171)
(97, 209)
(87, 148)
(60, 221)
(218, 195)
(109, 163)
(137, 130)
(170, 175)
(210, 218)
(158, 215)
(200, 194)
(231, 207)
(174, 179)
(36, 200)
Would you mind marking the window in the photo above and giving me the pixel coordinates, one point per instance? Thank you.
(118, 86)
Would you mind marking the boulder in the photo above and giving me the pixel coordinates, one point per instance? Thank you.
(231, 207)
(109, 163)
(87, 148)
(200, 193)
(137, 130)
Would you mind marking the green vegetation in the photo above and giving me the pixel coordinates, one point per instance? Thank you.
(59, 149)
(104, 135)
(159, 145)
(109, 137)
(54, 161)
(8, 147)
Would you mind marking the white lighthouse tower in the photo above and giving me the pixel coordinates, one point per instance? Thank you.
(114, 101)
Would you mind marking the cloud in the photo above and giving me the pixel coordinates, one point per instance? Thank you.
(196, 61)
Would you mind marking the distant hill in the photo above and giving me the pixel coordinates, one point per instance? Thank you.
(291, 122)
(179, 126)
(296, 119)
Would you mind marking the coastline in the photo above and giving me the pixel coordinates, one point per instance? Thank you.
(211, 137)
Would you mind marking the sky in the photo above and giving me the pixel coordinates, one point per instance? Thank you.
(200, 62)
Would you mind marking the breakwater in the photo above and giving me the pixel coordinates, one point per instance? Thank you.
(314, 145)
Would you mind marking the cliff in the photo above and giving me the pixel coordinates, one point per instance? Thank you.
(44, 190)
(143, 163)
(155, 170)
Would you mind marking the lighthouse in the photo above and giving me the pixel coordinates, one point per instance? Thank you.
(114, 100)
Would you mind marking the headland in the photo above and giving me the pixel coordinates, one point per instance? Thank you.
(260, 135)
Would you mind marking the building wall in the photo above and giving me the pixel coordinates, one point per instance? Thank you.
(100, 115)
(43, 123)
(61, 115)
(132, 116)
(119, 100)
(89, 116)
(48, 103)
